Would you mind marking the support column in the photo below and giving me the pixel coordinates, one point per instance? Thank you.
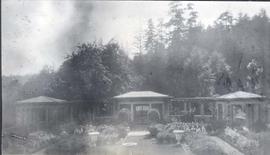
(132, 112)
(202, 109)
(232, 113)
(71, 113)
(47, 116)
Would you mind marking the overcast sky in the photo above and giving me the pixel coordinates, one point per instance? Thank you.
(38, 33)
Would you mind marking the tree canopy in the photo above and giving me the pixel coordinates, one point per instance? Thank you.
(179, 57)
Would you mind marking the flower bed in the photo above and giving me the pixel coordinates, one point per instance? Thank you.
(35, 141)
(205, 146)
(164, 133)
(30, 144)
(248, 146)
(72, 145)
(82, 142)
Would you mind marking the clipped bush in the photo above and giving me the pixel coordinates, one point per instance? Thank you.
(154, 129)
(122, 130)
(166, 137)
(205, 146)
(237, 124)
(172, 126)
(75, 145)
(124, 115)
(153, 115)
(259, 126)
(264, 141)
(217, 126)
(108, 135)
(67, 127)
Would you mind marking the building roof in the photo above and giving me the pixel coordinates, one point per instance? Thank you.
(42, 99)
(240, 95)
(141, 94)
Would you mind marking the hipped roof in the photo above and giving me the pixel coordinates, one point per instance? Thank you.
(240, 95)
(42, 99)
(141, 94)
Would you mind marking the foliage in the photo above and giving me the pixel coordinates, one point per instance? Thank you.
(154, 129)
(259, 126)
(164, 133)
(166, 137)
(122, 130)
(93, 72)
(216, 126)
(33, 142)
(67, 127)
(75, 144)
(108, 135)
(264, 141)
(198, 61)
(249, 146)
(153, 115)
(124, 115)
(179, 57)
(206, 146)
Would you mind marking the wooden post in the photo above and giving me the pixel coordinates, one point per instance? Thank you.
(132, 112)
(71, 113)
(47, 117)
(232, 112)
(202, 109)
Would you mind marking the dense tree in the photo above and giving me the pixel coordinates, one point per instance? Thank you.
(39, 84)
(178, 57)
(93, 72)
(199, 61)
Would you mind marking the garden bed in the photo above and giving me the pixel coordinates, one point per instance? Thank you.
(242, 143)
(164, 133)
(78, 136)
(32, 143)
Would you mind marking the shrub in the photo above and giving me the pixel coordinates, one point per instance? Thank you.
(154, 129)
(122, 130)
(108, 135)
(68, 127)
(188, 117)
(171, 126)
(205, 146)
(248, 146)
(259, 126)
(124, 115)
(264, 141)
(238, 124)
(217, 126)
(76, 144)
(153, 115)
(166, 137)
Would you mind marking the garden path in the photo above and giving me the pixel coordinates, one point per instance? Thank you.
(149, 146)
(144, 147)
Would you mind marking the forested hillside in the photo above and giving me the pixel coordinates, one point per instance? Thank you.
(187, 59)
(179, 57)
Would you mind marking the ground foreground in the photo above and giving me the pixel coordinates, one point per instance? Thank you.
(140, 146)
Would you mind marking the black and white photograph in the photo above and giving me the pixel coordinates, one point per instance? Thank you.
(83, 77)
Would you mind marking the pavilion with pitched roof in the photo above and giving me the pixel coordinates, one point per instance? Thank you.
(140, 102)
(247, 106)
(42, 111)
